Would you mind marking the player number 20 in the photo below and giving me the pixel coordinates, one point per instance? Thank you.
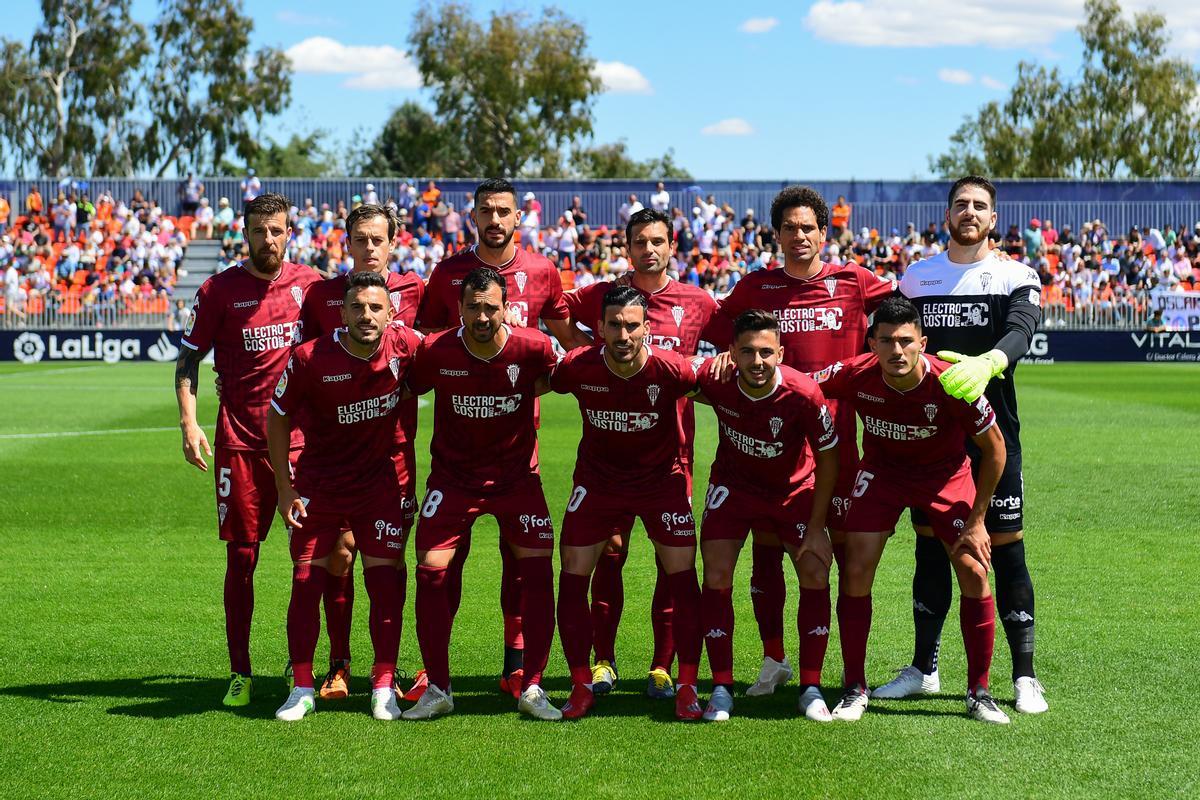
(861, 481)
(715, 497)
(432, 501)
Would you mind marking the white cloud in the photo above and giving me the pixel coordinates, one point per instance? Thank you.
(734, 126)
(1028, 24)
(991, 83)
(959, 77)
(619, 78)
(289, 17)
(372, 66)
(758, 25)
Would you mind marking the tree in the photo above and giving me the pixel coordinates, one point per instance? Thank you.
(1130, 113)
(413, 143)
(511, 95)
(613, 161)
(300, 157)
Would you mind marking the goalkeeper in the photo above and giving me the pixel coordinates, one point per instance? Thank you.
(979, 312)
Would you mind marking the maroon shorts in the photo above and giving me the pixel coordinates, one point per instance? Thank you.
(731, 514)
(847, 431)
(879, 497)
(404, 459)
(594, 512)
(246, 496)
(449, 512)
(375, 514)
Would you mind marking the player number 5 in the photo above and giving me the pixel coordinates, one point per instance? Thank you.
(223, 486)
(860, 483)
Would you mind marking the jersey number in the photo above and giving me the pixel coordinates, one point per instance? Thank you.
(715, 497)
(432, 501)
(576, 500)
(861, 481)
(223, 485)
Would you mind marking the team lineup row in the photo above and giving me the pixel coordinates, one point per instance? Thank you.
(327, 429)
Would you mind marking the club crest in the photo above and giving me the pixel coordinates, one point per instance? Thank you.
(395, 298)
(831, 286)
(931, 410)
(298, 296)
(394, 366)
(677, 315)
(521, 278)
(222, 510)
(985, 278)
(776, 425)
(513, 371)
(652, 391)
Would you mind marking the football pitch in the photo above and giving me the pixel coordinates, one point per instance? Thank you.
(116, 662)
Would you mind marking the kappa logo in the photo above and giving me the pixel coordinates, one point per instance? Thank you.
(715, 633)
(985, 278)
(776, 424)
(831, 286)
(394, 366)
(521, 278)
(677, 315)
(298, 296)
(653, 391)
(1018, 616)
(222, 511)
(820, 630)
(514, 371)
(931, 410)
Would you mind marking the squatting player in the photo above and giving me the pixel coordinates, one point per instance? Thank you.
(914, 455)
(343, 388)
(484, 375)
(534, 292)
(677, 313)
(822, 310)
(249, 316)
(774, 472)
(973, 303)
(370, 232)
(628, 465)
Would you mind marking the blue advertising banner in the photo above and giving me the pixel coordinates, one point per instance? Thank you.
(1050, 347)
(36, 346)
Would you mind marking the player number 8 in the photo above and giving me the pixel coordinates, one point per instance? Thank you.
(432, 501)
(716, 496)
(860, 483)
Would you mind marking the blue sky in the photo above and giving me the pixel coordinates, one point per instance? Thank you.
(824, 90)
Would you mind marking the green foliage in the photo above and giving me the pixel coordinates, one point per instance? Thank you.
(413, 143)
(300, 157)
(614, 161)
(1130, 113)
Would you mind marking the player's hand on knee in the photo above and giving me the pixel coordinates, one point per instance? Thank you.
(976, 543)
(817, 544)
(195, 447)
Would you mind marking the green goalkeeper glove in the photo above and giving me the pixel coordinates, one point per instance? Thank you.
(969, 376)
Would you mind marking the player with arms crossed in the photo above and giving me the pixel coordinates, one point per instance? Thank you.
(343, 388)
(915, 455)
(534, 292)
(774, 472)
(677, 313)
(484, 376)
(981, 312)
(370, 231)
(822, 311)
(628, 465)
(249, 315)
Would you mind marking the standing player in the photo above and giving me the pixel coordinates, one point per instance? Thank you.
(972, 302)
(774, 472)
(822, 311)
(343, 388)
(628, 465)
(250, 316)
(677, 313)
(370, 232)
(914, 455)
(485, 376)
(534, 292)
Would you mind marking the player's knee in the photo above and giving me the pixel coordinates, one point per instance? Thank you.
(1007, 537)
(813, 573)
(340, 561)
(718, 576)
(858, 574)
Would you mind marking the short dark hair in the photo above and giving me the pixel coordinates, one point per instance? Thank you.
(365, 280)
(755, 319)
(644, 217)
(266, 205)
(371, 211)
(621, 297)
(972, 180)
(480, 278)
(797, 197)
(896, 310)
(494, 186)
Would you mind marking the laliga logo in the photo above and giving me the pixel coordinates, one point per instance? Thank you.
(29, 348)
(163, 350)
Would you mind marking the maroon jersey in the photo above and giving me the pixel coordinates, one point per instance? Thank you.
(918, 432)
(323, 301)
(483, 433)
(677, 313)
(822, 319)
(766, 444)
(630, 425)
(534, 289)
(347, 407)
(251, 324)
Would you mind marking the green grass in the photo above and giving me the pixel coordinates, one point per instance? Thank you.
(115, 658)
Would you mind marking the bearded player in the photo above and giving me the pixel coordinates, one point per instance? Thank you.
(534, 292)
(628, 466)
(344, 388)
(915, 455)
(249, 316)
(822, 311)
(677, 313)
(980, 312)
(774, 473)
(484, 376)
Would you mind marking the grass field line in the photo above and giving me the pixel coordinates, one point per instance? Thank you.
(67, 434)
(40, 372)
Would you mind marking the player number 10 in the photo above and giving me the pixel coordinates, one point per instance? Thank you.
(716, 495)
(860, 483)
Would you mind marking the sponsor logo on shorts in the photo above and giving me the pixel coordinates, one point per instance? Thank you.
(454, 373)
(246, 304)
(1011, 502)
(336, 378)
(672, 521)
(621, 421)
(801, 528)
(486, 406)
(534, 521)
(1010, 516)
(385, 528)
(897, 431)
(840, 505)
(959, 524)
